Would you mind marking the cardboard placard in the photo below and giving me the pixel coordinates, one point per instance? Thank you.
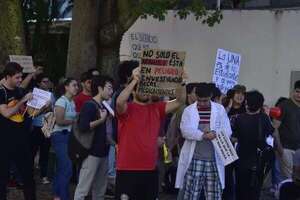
(161, 72)
(226, 71)
(25, 62)
(224, 149)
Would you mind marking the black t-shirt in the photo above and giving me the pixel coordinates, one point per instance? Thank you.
(289, 191)
(11, 98)
(88, 113)
(289, 130)
(246, 130)
(234, 113)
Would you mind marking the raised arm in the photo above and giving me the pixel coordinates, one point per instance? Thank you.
(180, 99)
(122, 99)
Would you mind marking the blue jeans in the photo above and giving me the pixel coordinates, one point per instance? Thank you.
(112, 161)
(59, 141)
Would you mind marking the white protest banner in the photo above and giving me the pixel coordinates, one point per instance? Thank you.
(161, 72)
(224, 149)
(25, 62)
(40, 98)
(227, 68)
(139, 41)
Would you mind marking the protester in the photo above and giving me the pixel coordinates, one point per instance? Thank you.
(39, 141)
(235, 107)
(288, 129)
(174, 136)
(93, 115)
(14, 125)
(139, 123)
(200, 169)
(85, 94)
(65, 114)
(290, 189)
(251, 130)
(125, 69)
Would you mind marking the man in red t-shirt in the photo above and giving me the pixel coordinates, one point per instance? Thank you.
(85, 94)
(138, 131)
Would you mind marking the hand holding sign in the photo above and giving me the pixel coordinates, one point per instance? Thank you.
(136, 74)
(27, 97)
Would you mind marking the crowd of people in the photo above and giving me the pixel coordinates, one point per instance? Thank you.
(105, 129)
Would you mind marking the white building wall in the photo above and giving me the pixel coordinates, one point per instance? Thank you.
(268, 41)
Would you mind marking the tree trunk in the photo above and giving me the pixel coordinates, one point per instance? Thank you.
(109, 59)
(11, 29)
(96, 32)
(82, 52)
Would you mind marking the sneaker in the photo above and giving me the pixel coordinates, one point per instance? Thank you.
(45, 181)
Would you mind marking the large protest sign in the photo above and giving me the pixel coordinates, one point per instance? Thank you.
(226, 72)
(161, 71)
(25, 62)
(224, 149)
(40, 98)
(139, 41)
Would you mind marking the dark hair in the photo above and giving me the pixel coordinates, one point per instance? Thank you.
(280, 100)
(297, 85)
(216, 93)
(190, 87)
(40, 77)
(11, 69)
(203, 90)
(255, 100)
(86, 76)
(65, 82)
(99, 81)
(125, 69)
(239, 89)
(90, 71)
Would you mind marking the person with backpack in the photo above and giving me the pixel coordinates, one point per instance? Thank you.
(14, 142)
(92, 121)
(65, 116)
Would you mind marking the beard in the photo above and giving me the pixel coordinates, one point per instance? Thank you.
(142, 98)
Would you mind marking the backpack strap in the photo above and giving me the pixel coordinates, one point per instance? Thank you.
(5, 93)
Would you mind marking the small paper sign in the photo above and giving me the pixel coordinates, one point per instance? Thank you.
(225, 149)
(40, 98)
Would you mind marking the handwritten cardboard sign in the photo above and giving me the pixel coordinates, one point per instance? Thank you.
(225, 149)
(226, 72)
(25, 62)
(161, 71)
(139, 41)
(40, 98)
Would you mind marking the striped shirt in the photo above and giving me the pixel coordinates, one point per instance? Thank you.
(204, 149)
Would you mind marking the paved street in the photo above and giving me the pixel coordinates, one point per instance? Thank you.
(44, 193)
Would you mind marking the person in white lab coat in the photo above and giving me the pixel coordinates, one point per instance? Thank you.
(200, 170)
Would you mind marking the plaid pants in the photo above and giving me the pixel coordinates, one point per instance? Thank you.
(202, 175)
